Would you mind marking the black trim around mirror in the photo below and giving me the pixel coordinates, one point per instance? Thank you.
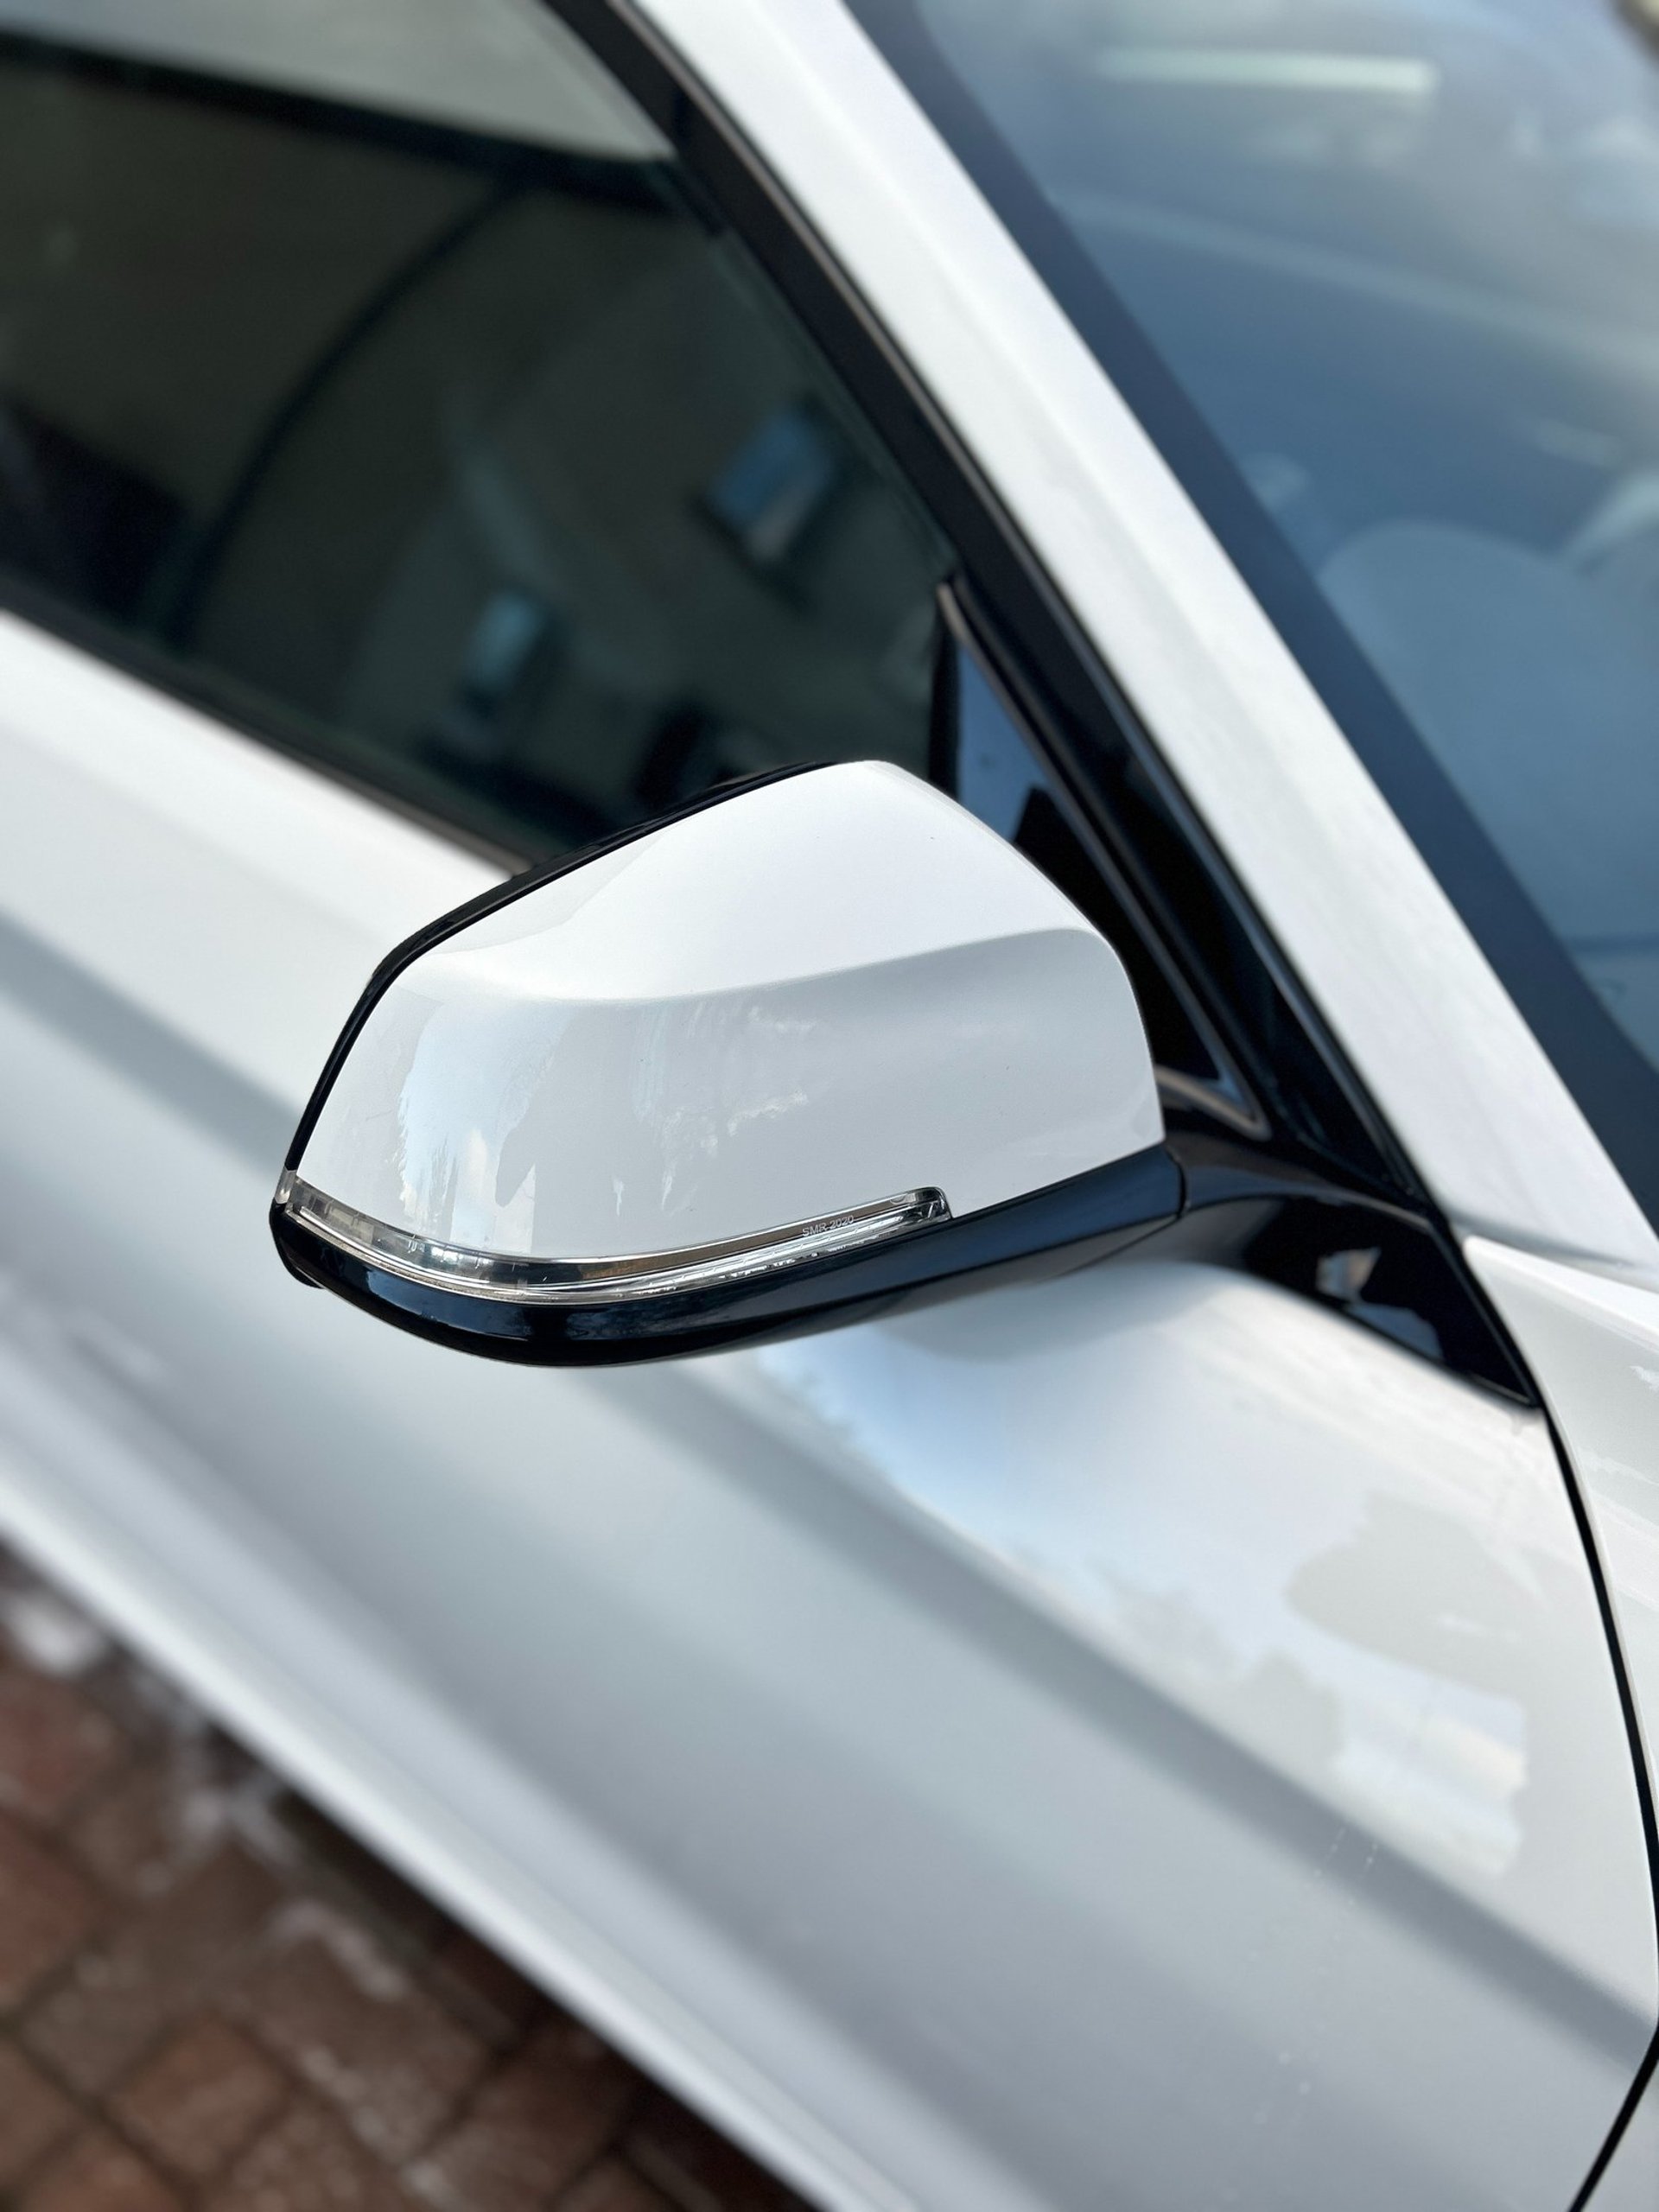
(1046, 1232)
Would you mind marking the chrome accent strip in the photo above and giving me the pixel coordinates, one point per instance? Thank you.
(522, 1281)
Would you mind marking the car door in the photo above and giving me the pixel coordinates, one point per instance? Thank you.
(1148, 1735)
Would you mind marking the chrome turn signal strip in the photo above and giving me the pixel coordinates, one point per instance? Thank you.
(592, 1282)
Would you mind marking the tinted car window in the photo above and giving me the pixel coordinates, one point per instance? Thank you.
(1378, 275)
(491, 473)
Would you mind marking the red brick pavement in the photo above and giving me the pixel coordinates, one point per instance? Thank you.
(212, 2000)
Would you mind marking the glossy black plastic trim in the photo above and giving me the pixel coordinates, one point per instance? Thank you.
(1390, 1269)
(1049, 1232)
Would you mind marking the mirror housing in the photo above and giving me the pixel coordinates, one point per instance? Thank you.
(818, 1045)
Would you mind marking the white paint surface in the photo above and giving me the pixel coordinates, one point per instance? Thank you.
(250, 912)
(1138, 1725)
(820, 993)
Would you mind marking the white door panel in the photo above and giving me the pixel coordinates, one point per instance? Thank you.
(239, 900)
(1592, 1342)
(1139, 1737)
(1345, 1559)
(1631, 2181)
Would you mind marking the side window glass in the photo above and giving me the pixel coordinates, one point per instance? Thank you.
(485, 471)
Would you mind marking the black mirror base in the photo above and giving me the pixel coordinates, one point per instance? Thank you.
(1049, 1232)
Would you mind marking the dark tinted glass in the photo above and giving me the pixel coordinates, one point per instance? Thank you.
(491, 474)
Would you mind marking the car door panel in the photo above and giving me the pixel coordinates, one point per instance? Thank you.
(1592, 1339)
(1630, 2183)
(218, 891)
(1144, 1727)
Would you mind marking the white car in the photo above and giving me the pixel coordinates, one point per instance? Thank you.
(957, 707)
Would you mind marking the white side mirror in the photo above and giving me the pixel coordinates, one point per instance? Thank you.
(813, 1044)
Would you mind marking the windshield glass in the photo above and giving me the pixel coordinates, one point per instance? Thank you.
(1382, 278)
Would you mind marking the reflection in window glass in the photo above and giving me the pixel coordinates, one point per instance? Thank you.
(489, 473)
(1400, 255)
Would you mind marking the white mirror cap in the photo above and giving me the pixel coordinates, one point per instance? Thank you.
(820, 993)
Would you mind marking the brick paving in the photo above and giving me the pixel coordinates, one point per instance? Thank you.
(213, 2000)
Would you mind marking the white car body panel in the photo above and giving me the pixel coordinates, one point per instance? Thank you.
(1630, 2183)
(1144, 1727)
(1593, 1343)
(834, 1723)
(247, 917)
